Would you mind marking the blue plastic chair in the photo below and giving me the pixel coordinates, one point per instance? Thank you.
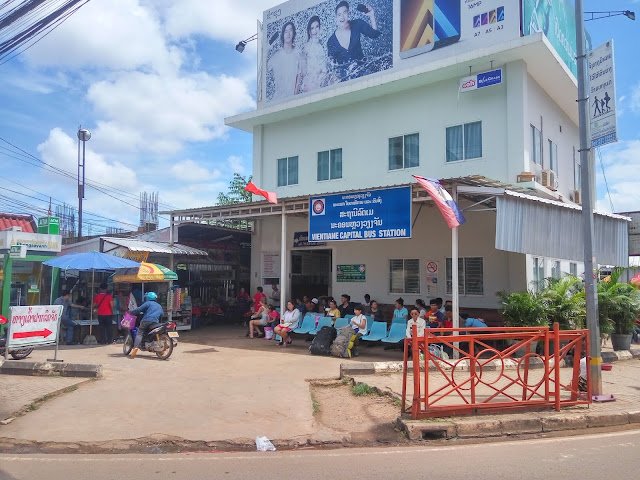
(369, 322)
(349, 316)
(323, 322)
(341, 322)
(397, 332)
(377, 332)
(308, 324)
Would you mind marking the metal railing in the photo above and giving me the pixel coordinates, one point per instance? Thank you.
(498, 370)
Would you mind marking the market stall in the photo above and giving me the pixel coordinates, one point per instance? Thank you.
(173, 299)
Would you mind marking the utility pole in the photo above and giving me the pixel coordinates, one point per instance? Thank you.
(83, 136)
(591, 293)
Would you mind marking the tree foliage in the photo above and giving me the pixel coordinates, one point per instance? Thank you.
(236, 192)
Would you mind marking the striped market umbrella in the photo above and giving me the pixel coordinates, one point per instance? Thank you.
(146, 273)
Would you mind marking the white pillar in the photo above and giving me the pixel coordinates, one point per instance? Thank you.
(283, 263)
(454, 274)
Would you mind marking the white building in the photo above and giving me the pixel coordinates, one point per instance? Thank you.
(510, 150)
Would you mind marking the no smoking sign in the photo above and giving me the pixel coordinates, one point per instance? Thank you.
(432, 267)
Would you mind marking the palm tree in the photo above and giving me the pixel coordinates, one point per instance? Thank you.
(618, 305)
(564, 302)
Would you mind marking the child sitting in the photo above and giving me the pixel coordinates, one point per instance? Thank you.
(359, 325)
(415, 319)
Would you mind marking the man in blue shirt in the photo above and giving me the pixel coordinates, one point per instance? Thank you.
(470, 322)
(152, 311)
(66, 320)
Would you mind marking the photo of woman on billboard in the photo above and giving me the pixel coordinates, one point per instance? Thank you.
(285, 63)
(313, 61)
(344, 47)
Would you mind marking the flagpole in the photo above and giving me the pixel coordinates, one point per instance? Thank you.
(454, 275)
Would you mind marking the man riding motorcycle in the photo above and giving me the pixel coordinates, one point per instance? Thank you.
(152, 311)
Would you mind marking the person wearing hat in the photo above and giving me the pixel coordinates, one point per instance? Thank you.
(311, 305)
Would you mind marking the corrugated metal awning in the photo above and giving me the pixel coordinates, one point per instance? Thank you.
(536, 226)
(153, 247)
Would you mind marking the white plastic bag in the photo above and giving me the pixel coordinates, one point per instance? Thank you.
(263, 444)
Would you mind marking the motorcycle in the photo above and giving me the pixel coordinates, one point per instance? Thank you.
(159, 340)
(16, 353)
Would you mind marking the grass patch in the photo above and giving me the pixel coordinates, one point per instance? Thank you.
(361, 389)
(315, 404)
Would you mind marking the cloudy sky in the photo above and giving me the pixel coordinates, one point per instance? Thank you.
(153, 81)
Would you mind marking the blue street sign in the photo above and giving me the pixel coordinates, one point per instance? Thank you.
(367, 215)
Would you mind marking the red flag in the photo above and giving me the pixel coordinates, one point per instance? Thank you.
(448, 208)
(270, 196)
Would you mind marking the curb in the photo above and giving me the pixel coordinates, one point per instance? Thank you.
(79, 370)
(517, 424)
(385, 368)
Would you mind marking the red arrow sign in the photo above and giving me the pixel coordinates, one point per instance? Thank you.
(38, 333)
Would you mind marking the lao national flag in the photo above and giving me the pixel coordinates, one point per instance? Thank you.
(270, 196)
(448, 208)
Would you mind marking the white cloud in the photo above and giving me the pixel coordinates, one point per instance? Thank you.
(227, 20)
(634, 101)
(621, 163)
(190, 171)
(149, 112)
(236, 164)
(60, 150)
(109, 35)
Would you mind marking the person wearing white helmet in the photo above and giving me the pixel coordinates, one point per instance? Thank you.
(152, 312)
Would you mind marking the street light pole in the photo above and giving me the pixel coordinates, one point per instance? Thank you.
(586, 171)
(83, 136)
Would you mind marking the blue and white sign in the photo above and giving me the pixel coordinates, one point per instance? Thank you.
(481, 80)
(602, 95)
(364, 215)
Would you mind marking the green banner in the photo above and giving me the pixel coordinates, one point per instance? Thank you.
(351, 273)
(556, 19)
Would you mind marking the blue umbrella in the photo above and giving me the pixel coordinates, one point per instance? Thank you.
(91, 261)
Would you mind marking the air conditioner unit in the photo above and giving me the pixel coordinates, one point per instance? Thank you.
(548, 179)
(575, 196)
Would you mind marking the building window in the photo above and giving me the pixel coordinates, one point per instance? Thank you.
(464, 141)
(538, 274)
(470, 276)
(404, 151)
(287, 171)
(556, 273)
(404, 276)
(553, 156)
(573, 269)
(536, 145)
(330, 164)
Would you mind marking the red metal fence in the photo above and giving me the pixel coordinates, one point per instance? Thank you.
(498, 370)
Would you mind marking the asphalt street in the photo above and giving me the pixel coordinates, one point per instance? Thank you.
(591, 457)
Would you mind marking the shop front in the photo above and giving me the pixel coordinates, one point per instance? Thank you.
(21, 273)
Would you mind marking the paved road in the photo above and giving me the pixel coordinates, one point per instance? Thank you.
(592, 457)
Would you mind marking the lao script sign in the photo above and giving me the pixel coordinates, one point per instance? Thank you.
(602, 95)
(34, 326)
(366, 215)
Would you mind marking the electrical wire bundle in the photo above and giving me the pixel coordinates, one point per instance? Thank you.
(23, 23)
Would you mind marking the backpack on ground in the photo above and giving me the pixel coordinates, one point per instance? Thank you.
(321, 344)
(342, 345)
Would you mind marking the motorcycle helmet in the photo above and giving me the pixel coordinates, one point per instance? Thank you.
(151, 296)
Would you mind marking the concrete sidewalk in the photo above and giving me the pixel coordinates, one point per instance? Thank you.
(623, 381)
(217, 387)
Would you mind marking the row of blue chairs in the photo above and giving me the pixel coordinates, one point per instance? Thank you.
(376, 331)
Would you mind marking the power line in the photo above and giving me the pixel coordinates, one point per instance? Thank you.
(605, 179)
(59, 202)
(93, 183)
(26, 157)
